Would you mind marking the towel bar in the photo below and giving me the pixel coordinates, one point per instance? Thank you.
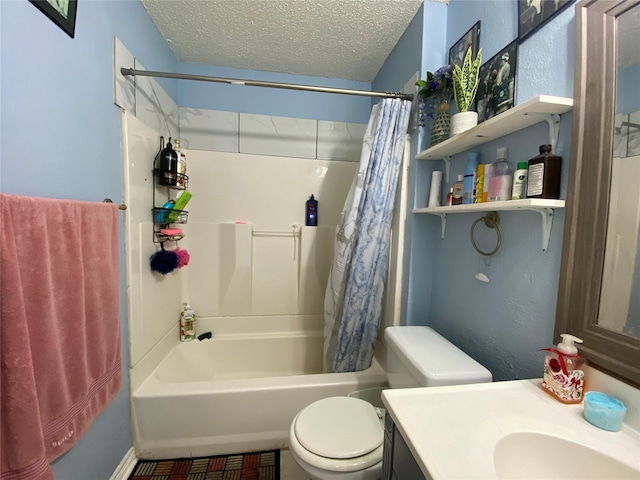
(121, 206)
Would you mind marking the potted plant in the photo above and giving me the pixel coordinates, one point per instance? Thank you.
(465, 86)
(434, 94)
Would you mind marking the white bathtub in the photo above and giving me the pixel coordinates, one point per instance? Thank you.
(239, 391)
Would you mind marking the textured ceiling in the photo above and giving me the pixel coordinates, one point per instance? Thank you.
(345, 39)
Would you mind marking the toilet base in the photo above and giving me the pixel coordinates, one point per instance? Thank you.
(374, 472)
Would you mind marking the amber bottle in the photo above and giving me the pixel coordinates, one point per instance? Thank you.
(543, 177)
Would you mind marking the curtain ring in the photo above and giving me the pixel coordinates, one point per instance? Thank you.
(491, 220)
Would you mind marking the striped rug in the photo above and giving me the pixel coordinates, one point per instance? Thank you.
(245, 466)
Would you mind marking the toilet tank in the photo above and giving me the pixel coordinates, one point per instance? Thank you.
(421, 357)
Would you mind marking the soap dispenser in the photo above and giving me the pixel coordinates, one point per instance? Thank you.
(564, 376)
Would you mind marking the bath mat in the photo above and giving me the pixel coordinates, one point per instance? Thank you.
(243, 466)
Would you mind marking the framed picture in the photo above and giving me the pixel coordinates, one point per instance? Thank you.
(496, 90)
(459, 49)
(532, 14)
(61, 12)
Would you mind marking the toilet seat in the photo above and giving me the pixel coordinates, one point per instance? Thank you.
(338, 434)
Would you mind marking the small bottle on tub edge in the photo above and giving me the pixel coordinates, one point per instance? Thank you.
(187, 323)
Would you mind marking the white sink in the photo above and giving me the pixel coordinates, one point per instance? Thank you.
(530, 455)
(508, 430)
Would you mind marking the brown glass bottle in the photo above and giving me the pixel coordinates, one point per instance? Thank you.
(543, 177)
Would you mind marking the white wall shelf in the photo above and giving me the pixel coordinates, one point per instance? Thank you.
(543, 206)
(541, 108)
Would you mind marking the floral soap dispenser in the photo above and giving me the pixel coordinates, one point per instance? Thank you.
(564, 376)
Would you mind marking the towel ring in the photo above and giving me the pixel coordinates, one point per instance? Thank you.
(491, 220)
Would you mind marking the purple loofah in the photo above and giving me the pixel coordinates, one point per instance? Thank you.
(183, 257)
(164, 261)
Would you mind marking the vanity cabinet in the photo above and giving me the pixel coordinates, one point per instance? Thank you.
(397, 461)
(541, 108)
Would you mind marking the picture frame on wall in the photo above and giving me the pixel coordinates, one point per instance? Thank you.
(459, 49)
(532, 14)
(496, 90)
(61, 12)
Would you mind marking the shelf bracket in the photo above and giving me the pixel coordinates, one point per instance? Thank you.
(553, 119)
(547, 222)
(443, 223)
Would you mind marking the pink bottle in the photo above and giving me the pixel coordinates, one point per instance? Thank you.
(501, 179)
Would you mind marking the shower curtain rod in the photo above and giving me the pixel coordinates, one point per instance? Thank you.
(257, 83)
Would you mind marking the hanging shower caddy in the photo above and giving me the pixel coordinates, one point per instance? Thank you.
(166, 175)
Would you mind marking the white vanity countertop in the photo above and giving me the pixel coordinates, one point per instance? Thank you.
(453, 431)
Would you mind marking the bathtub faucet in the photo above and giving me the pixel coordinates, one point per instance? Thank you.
(204, 336)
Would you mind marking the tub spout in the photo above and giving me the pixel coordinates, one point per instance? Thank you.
(204, 336)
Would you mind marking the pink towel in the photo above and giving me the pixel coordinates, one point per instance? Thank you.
(60, 328)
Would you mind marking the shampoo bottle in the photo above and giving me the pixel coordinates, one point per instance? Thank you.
(563, 376)
(176, 215)
(469, 181)
(167, 166)
(485, 182)
(519, 190)
(182, 165)
(164, 211)
(501, 178)
(480, 183)
(311, 216)
(187, 323)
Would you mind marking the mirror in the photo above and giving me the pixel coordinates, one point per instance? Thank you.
(620, 310)
(600, 268)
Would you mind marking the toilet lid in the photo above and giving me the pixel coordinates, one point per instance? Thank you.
(339, 427)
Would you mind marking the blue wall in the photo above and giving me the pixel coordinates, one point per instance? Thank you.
(272, 101)
(59, 124)
(501, 324)
(420, 241)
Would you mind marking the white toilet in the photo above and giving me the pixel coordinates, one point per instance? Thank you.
(342, 437)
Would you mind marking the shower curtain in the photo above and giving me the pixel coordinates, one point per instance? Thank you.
(353, 299)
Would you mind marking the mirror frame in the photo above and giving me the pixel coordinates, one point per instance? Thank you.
(587, 203)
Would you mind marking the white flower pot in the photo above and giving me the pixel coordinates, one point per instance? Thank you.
(463, 121)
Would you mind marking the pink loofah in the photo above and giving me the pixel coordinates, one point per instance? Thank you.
(183, 257)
